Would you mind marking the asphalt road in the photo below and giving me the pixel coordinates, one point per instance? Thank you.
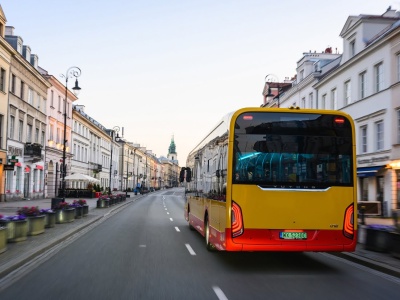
(146, 251)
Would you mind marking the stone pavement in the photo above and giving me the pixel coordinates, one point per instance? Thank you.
(18, 254)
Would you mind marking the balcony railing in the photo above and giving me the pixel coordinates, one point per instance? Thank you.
(32, 151)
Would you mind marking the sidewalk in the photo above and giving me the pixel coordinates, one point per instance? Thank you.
(17, 254)
(20, 253)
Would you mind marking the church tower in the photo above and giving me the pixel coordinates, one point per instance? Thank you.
(172, 155)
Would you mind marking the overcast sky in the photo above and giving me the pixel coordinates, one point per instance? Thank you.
(175, 68)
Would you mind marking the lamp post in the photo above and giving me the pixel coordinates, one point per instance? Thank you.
(116, 129)
(71, 72)
(127, 174)
(270, 94)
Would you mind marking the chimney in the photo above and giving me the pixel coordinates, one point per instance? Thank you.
(10, 30)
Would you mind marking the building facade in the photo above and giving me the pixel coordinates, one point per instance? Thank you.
(364, 81)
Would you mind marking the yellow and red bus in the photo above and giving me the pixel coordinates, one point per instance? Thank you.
(275, 180)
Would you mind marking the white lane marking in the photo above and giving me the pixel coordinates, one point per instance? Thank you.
(171, 219)
(220, 294)
(167, 213)
(142, 246)
(166, 209)
(177, 229)
(191, 251)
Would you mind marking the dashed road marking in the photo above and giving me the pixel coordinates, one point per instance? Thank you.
(220, 294)
(191, 251)
(177, 229)
(171, 219)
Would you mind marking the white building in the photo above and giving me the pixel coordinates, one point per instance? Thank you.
(365, 82)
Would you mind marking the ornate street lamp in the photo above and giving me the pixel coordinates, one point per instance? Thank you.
(71, 72)
(270, 78)
(116, 129)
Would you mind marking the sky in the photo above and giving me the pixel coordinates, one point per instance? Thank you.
(173, 69)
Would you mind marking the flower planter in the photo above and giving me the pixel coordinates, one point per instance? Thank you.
(36, 224)
(378, 240)
(65, 215)
(50, 219)
(102, 203)
(85, 210)
(395, 244)
(78, 212)
(3, 239)
(17, 231)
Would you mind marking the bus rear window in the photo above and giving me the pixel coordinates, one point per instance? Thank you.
(293, 150)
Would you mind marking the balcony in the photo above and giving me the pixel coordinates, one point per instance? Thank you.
(33, 152)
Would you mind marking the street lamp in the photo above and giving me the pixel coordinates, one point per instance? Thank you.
(126, 187)
(270, 94)
(71, 72)
(116, 129)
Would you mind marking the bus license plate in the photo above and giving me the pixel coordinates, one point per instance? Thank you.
(287, 235)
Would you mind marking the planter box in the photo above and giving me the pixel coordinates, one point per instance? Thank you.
(36, 224)
(378, 240)
(65, 215)
(17, 231)
(85, 210)
(102, 203)
(3, 239)
(50, 219)
(395, 244)
(78, 212)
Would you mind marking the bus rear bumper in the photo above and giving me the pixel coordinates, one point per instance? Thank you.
(269, 240)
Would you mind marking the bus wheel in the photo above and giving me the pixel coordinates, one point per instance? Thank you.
(209, 246)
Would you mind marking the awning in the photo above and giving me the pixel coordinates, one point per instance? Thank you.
(18, 164)
(368, 171)
(39, 167)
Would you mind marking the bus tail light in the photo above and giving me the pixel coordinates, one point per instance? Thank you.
(237, 220)
(348, 226)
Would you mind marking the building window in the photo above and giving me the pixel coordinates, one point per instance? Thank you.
(22, 90)
(364, 188)
(347, 92)
(301, 75)
(398, 126)
(30, 96)
(37, 135)
(51, 133)
(323, 101)
(398, 67)
(52, 99)
(58, 141)
(1, 131)
(2, 80)
(29, 134)
(13, 79)
(310, 100)
(303, 102)
(379, 135)
(20, 130)
(363, 137)
(363, 85)
(42, 138)
(59, 103)
(12, 126)
(352, 48)
(378, 77)
(38, 101)
(333, 99)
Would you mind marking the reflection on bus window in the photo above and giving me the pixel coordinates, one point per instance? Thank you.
(315, 150)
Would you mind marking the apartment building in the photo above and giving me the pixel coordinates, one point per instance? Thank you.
(363, 81)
